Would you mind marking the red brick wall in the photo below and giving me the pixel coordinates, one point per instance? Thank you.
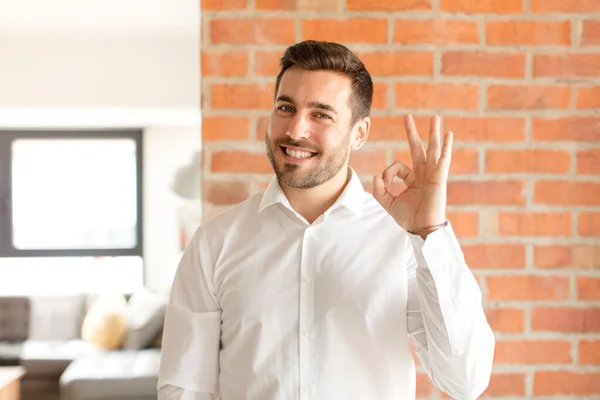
(518, 81)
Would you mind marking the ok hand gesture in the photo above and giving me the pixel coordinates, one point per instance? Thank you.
(421, 207)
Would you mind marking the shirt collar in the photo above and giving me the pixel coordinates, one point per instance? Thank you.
(352, 197)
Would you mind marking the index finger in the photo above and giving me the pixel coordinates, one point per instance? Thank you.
(398, 169)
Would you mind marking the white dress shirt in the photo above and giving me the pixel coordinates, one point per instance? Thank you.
(265, 306)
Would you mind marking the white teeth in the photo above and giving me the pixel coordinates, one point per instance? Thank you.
(297, 154)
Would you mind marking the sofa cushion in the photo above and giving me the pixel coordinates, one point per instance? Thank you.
(51, 358)
(57, 317)
(14, 318)
(39, 388)
(10, 353)
(145, 319)
(112, 374)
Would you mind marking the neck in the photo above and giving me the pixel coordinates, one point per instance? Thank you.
(311, 203)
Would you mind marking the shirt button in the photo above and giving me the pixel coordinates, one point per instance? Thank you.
(307, 334)
(306, 280)
(306, 389)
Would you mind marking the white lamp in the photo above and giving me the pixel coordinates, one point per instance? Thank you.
(187, 179)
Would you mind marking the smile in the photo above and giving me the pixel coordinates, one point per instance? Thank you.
(297, 154)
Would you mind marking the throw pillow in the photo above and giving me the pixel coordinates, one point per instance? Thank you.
(105, 323)
(145, 318)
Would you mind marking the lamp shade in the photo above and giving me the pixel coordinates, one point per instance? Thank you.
(188, 178)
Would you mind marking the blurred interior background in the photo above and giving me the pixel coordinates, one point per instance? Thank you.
(100, 190)
(99, 110)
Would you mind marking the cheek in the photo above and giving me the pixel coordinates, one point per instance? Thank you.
(278, 126)
(327, 139)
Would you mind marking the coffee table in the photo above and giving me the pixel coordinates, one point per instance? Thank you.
(10, 382)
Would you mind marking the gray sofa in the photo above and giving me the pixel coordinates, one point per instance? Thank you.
(43, 334)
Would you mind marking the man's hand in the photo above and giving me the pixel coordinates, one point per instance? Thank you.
(421, 207)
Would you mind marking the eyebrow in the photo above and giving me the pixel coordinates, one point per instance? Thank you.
(314, 104)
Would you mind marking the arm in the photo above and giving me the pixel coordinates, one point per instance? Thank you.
(445, 317)
(189, 365)
(446, 321)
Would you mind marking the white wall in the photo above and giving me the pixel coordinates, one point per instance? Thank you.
(41, 15)
(131, 71)
(74, 76)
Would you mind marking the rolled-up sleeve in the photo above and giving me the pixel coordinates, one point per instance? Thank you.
(189, 365)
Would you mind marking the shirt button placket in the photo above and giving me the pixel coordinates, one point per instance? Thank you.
(306, 315)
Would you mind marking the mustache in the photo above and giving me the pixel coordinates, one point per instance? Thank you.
(296, 143)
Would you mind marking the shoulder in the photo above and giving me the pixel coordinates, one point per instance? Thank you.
(214, 230)
(372, 209)
(244, 209)
(375, 216)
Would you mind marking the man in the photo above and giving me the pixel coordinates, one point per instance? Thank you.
(316, 289)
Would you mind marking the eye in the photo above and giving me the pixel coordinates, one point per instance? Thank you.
(286, 108)
(323, 116)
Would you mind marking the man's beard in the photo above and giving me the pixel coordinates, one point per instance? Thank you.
(290, 174)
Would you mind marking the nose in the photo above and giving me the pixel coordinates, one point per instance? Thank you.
(298, 127)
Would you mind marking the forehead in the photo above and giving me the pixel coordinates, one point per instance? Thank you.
(316, 86)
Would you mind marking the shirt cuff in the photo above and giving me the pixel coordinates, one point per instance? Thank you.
(440, 247)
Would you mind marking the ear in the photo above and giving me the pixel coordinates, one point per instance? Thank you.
(361, 133)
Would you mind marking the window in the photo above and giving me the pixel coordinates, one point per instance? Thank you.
(71, 193)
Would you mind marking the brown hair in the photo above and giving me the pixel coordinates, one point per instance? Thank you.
(314, 55)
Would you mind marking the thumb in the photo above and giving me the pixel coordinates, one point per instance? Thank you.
(380, 193)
